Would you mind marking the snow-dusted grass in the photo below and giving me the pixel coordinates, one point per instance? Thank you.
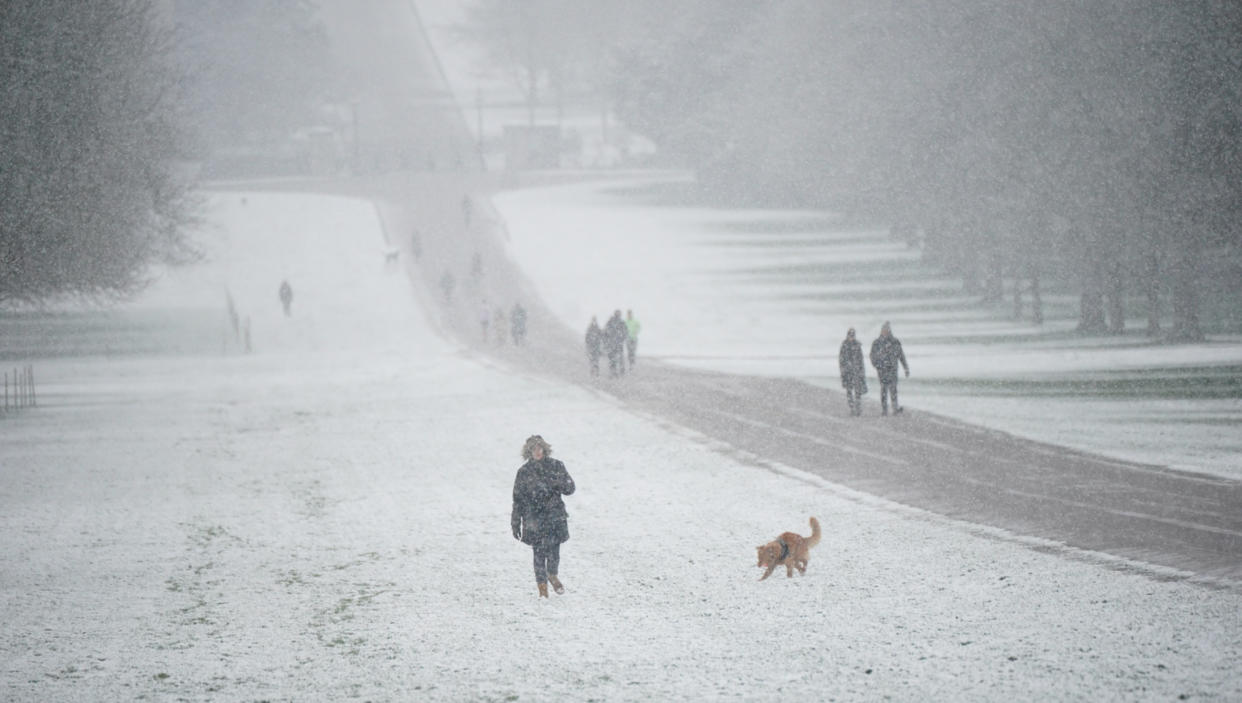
(327, 518)
(772, 293)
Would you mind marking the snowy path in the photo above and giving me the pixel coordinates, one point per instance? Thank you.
(1186, 523)
(328, 518)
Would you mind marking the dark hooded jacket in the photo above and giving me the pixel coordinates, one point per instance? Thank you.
(853, 372)
(538, 510)
(886, 354)
(615, 334)
(594, 340)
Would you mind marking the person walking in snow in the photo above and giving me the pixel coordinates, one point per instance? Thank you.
(498, 324)
(485, 317)
(886, 353)
(447, 283)
(517, 318)
(594, 345)
(853, 372)
(539, 517)
(615, 335)
(286, 297)
(632, 328)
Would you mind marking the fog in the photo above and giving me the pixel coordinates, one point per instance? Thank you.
(215, 496)
(1091, 149)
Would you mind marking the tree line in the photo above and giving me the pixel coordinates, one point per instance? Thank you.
(1097, 145)
(104, 104)
(89, 140)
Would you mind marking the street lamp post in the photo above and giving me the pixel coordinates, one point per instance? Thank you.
(353, 109)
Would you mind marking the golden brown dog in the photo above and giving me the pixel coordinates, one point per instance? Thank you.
(792, 550)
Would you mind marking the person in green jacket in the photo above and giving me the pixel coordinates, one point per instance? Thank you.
(632, 327)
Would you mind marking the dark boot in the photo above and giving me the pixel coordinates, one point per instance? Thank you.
(556, 584)
(543, 590)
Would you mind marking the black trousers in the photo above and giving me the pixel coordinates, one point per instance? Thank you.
(547, 560)
(854, 397)
(887, 389)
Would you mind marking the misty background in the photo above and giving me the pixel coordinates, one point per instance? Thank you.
(1084, 148)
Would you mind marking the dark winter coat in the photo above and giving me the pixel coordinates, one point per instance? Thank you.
(538, 511)
(615, 335)
(886, 353)
(518, 319)
(594, 339)
(853, 371)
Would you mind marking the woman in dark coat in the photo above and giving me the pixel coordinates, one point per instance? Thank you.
(594, 345)
(539, 518)
(853, 372)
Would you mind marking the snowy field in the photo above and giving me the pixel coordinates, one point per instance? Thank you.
(766, 292)
(326, 518)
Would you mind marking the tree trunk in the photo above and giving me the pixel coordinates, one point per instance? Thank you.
(1115, 295)
(1186, 295)
(1037, 301)
(1151, 282)
(1017, 297)
(1091, 318)
(994, 285)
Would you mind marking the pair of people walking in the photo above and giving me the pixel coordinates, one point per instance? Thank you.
(618, 339)
(496, 318)
(886, 355)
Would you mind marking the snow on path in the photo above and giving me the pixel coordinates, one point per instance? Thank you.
(323, 521)
(738, 291)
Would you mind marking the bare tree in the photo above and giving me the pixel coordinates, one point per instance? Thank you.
(88, 134)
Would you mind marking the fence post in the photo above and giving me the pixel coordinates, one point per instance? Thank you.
(34, 400)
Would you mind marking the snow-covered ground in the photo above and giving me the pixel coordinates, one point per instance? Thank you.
(772, 293)
(327, 518)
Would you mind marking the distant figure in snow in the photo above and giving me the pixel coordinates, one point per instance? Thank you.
(886, 353)
(286, 297)
(416, 244)
(476, 267)
(615, 335)
(594, 345)
(498, 324)
(517, 320)
(632, 328)
(234, 319)
(853, 372)
(539, 517)
(447, 283)
(485, 317)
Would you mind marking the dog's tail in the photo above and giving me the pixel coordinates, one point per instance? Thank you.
(814, 538)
